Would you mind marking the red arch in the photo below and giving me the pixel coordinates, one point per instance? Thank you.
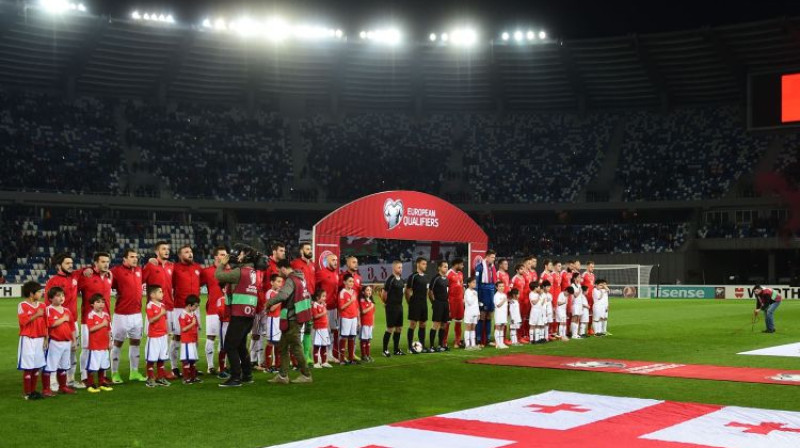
(424, 218)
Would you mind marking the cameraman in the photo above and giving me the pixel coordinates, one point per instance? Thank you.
(241, 300)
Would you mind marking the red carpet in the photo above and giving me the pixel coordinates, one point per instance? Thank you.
(694, 371)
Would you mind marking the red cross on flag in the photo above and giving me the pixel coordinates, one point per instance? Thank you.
(563, 419)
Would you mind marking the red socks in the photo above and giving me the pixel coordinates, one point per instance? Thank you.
(27, 386)
(221, 359)
(45, 380)
(150, 372)
(336, 348)
(458, 333)
(161, 372)
(186, 371)
(268, 355)
(61, 376)
(351, 349)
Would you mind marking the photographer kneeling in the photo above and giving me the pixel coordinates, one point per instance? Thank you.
(295, 304)
(241, 301)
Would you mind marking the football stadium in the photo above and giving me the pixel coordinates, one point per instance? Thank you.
(400, 224)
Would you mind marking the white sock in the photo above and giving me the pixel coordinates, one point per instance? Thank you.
(73, 357)
(547, 332)
(582, 329)
(254, 343)
(174, 354)
(115, 353)
(210, 353)
(604, 324)
(133, 357)
(513, 337)
(573, 328)
(532, 334)
(474, 337)
(562, 329)
(260, 354)
(498, 338)
(84, 358)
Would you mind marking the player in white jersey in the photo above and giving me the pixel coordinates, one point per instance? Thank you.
(538, 314)
(561, 311)
(514, 315)
(500, 316)
(549, 315)
(585, 319)
(577, 312)
(600, 308)
(471, 313)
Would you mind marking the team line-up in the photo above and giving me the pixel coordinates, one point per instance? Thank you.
(295, 313)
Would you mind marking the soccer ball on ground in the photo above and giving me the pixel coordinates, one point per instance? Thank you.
(417, 346)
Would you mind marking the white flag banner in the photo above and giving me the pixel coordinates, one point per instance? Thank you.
(393, 437)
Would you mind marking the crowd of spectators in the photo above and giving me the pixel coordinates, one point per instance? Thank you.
(49, 144)
(212, 151)
(688, 154)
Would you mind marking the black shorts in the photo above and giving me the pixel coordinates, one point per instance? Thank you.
(441, 311)
(418, 311)
(394, 316)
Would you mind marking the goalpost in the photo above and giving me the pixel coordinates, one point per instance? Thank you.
(626, 280)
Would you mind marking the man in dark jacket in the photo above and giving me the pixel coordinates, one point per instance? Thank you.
(295, 311)
(767, 300)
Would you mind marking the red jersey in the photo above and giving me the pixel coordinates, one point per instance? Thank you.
(272, 268)
(502, 276)
(277, 313)
(62, 331)
(521, 284)
(128, 283)
(367, 318)
(159, 327)
(69, 283)
(566, 279)
(455, 286)
(36, 328)
(186, 282)
(190, 335)
(350, 311)
(320, 322)
(96, 284)
(555, 286)
(223, 311)
(212, 285)
(160, 274)
(356, 282)
(588, 281)
(98, 339)
(309, 272)
(328, 280)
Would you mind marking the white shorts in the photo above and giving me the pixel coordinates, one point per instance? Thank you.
(501, 318)
(366, 332)
(537, 316)
(471, 319)
(212, 325)
(333, 319)
(156, 349)
(98, 360)
(84, 337)
(322, 337)
(577, 308)
(126, 326)
(599, 311)
(30, 354)
(561, 314)
(585, 315)
(349, 327)
(273, 330)
(58, 356)
(189, 351)
(515, 319)
(548, 312)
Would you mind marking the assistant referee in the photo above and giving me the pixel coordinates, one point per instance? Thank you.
(441, 307)
(392, 298)
(416, 294)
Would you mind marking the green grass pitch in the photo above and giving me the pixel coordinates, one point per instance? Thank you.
(390, 390)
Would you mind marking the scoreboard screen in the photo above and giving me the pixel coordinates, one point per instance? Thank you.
(774, 100)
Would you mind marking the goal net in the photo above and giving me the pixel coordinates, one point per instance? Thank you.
(626, 280)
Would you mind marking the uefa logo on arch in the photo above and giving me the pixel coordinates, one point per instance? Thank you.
(393, 212)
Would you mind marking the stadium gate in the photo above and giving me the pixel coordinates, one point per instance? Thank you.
(398, 215)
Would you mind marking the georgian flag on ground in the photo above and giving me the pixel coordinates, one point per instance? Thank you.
(564, 419)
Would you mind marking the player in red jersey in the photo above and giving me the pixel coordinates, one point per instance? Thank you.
(159, 272)
(98, 323)
(351, 268)
(185, 283)
(366, 307)
(278, 254)
(555, 287)
(127, 320)
(96, 280)
(208, 280)
(549, 277)
(455, 297)
(348, 310)
(61, 339)
(32, 339)
(521, 284)
(587, 280)
(503, 276)
(305, 263)
(322, 340)
(327, 278)
(156, 348)
(189, 320)
(66, 278)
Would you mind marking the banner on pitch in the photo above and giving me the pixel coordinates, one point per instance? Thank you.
(571, 419)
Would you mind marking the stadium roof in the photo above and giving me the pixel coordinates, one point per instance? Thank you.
(98, 55)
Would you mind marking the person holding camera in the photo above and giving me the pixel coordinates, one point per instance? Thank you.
(242, 297)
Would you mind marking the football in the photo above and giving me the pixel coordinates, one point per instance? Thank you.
(417, 346)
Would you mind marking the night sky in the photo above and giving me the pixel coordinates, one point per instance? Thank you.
(569, 19)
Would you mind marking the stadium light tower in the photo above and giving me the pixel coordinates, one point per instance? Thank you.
(61, 6)
(518, 36)
(542, 35)
(504, 36)
(432, 37)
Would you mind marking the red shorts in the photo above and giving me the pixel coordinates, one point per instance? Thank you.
(456, 309)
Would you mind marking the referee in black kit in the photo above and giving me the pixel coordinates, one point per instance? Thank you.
(441, 307)
(416, 295)
(392, 298)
